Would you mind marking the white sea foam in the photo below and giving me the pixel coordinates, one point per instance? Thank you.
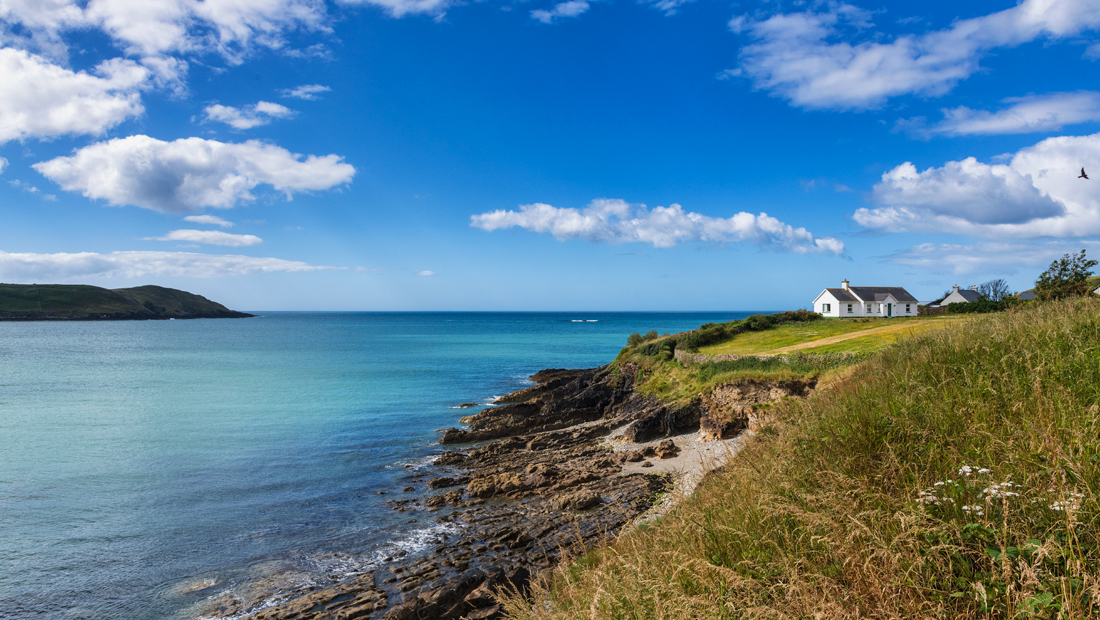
(328, 569)
(419, 463)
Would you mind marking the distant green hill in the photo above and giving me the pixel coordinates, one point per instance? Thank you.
(80, 302)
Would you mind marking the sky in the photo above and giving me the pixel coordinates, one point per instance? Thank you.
(585, 155)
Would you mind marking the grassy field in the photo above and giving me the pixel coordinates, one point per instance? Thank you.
(952, 475)
(792, 334)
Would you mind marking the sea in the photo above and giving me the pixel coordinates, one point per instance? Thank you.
(148, 468)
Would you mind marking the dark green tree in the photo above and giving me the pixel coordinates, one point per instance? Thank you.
(1066, 277)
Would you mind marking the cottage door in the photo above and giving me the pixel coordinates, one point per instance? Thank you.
(889, 310)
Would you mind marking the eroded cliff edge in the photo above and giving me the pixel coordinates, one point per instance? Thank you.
(526, 483)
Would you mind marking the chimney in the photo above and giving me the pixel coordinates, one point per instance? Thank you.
(844, 284)
(955, 288)
(974, 287)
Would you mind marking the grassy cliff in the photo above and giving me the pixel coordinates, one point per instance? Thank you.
(952, 475)
(30, 302)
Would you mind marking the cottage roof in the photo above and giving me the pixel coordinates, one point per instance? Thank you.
(841, 295)
(879, 293)
(1026, 295)
(968, 295)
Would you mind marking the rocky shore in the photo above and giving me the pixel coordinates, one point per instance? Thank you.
(549, 472)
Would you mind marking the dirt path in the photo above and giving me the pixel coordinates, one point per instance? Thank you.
(849, 336)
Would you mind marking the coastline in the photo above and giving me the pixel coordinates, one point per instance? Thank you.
(548, 473)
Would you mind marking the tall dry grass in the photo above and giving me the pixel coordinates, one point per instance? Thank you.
(856, 503)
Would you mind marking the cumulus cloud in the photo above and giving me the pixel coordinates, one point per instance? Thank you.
(211, 237)
(209, 219)
(993, 258)
(1037, 194)
(617, 221)
(191, 173)
(250, 116)
(1031, 114)
(69, 266)
(401, 8)
(804, 57)
(144, 28)
(42, 100)
(308, 92)
(572, 8)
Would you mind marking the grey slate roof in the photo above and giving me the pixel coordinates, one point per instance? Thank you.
(841, 294)
(1026, 295)
(969, 295)
(879, 293)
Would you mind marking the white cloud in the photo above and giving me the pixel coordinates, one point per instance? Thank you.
(308, 92)
(147, 28)
(401, 8)
(1037, 194)
(250, 116)
(572, 8)
(191, 173)
(211, 237)
(803, 57)
(3, 164)
(39, 99)
(67, 266)
(617, 221)
(209, 219)
(669, 7)
(426, 273)
(993, 258)
(1031, 114)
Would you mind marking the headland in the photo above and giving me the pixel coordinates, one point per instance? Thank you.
(81, 302)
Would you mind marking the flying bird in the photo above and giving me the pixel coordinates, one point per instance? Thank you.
(1083, 175)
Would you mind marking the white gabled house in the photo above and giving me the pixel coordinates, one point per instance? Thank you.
(860, 301)
(961, 296)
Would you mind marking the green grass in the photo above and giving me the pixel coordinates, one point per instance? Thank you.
(855, 502)
(799, 333)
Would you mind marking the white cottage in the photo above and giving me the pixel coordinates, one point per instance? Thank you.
(961, 296)
(858, 301)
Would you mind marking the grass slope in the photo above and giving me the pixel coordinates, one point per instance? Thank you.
(80, 301)
(800, 333)
(952, 475)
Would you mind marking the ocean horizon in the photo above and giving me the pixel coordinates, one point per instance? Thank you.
(153, 465)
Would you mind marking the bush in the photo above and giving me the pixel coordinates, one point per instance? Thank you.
(980, 306)
(650, 335)
(634, 339)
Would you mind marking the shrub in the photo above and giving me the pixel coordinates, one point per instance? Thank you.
(981, 306)
(634, 339)
(651, 335)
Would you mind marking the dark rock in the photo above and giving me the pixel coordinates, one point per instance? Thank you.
(442, 483)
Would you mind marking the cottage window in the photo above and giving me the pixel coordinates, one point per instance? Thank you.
(850, 309)
(825, 307)
(906, 308)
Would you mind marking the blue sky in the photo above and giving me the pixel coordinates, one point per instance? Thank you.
(603, 155)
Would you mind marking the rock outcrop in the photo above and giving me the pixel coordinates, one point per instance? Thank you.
(525, 482)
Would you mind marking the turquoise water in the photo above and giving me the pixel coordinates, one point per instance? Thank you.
(141, 458)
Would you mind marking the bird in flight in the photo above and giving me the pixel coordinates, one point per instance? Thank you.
(1083, 175)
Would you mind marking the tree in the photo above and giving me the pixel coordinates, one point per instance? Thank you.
(995, 290)
(1066, 277)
